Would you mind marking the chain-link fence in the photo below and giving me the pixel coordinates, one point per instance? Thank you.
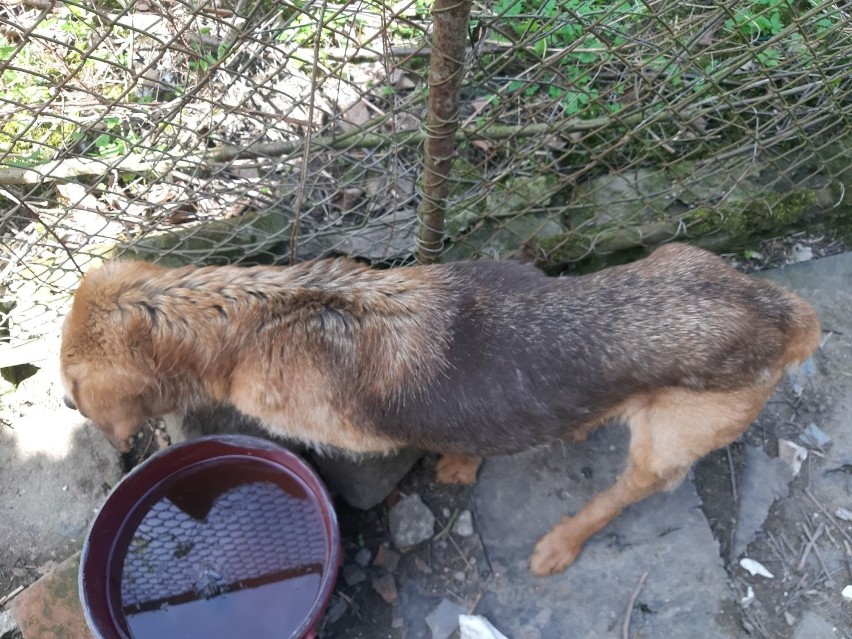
(209, 131)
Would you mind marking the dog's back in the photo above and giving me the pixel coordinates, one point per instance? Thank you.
(532, 357)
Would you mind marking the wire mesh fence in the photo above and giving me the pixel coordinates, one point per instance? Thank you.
(262, 130)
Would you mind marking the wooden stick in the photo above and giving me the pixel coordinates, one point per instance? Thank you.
(8, 597)
(625, 628)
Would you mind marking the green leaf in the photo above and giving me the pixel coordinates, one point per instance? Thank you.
(508, 8)
(776, 24)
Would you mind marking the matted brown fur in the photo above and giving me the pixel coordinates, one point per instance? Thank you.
(466, 359)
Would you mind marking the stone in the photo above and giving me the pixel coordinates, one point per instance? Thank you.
(444, 620)
(463, 525)
(815, 437)
(386, 587)
(411, 522)
(353, 575)
(51, 606)
(363, 482)
(362, 557)
(764, 480)
(386, 558)
(812, 626)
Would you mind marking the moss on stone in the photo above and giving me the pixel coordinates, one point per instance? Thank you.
(563, 248)
(742, 218)
(719, 227)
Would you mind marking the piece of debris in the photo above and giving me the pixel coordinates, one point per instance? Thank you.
(464, 524)
(386, 587)
(336, 610)
(362, 557)
(46, 567)
(387, 559)
(746, 601)
(801, 253)
(789, 618)
(755, 568)
(799, 376)
(764, 480)
(459, 576)
(422, 566)
(847, 592)
(814, 437)
(411, 522)
(444, 619)
(8, 627)
(843, 513)
(353, 575)
(478, 627)
(793, 454)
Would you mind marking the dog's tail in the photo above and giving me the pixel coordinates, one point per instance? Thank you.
(802, 332)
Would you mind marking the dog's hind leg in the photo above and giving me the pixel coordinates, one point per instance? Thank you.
(457, 469)
(669, 430)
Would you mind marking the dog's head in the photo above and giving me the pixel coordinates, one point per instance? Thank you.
(104, 357)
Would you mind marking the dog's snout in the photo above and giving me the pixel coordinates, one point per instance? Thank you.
(69, 402)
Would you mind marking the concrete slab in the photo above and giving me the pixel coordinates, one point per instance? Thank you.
(55, 471)
(666, 536)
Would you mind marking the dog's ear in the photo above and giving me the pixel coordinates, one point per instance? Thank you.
(114, 401)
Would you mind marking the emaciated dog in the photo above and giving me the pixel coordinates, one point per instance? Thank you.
(467, 359)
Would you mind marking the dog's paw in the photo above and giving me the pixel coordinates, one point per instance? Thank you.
(553, 553)
(457, 469)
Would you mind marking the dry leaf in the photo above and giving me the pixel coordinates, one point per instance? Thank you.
(357, 115)
(348, 198)
(483, 145)
(401, 81)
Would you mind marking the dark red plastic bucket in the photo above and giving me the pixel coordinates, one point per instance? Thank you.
(217, 537)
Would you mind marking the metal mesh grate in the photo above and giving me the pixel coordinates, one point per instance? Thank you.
(204, 132)
(252, 532)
